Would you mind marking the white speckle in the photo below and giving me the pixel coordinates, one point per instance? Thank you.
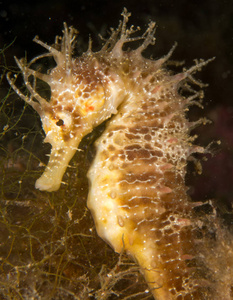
(5, 127)
(113, 194)
(69, 213)
(110, 167)
(120, 221)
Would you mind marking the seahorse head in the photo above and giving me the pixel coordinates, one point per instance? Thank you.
(85, 91)
(83, 94)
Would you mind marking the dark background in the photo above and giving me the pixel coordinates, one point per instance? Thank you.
(33, 222)
(203, 29)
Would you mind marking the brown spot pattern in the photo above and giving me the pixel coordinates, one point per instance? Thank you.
(141, 143)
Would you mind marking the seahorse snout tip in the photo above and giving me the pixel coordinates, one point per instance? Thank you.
(43, 184)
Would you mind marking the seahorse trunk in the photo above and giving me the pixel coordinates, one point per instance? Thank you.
(138, 195)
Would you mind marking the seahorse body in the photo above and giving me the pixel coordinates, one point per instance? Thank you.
(137, 180)
(137, 187)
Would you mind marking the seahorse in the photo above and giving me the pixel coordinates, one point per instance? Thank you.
(138, 196)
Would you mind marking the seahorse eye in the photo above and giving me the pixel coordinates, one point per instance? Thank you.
(60, 122)
(63, 119)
